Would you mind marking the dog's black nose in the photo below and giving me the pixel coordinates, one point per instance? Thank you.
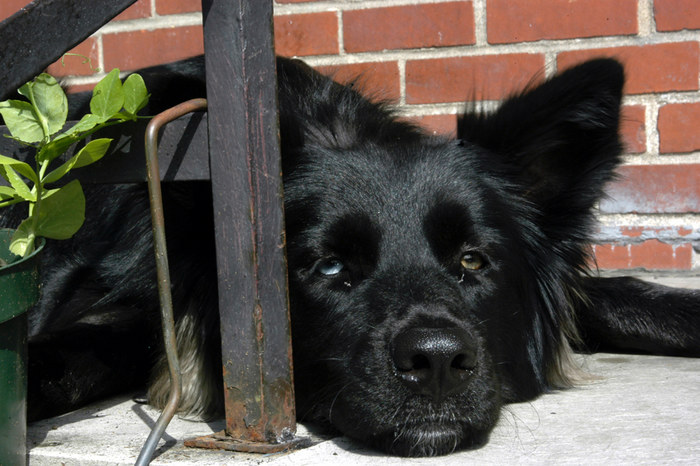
(437, 362)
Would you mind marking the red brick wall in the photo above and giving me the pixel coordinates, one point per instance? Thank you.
(431, 55)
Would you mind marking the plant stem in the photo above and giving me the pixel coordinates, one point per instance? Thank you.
(36, 208)
(10, 202)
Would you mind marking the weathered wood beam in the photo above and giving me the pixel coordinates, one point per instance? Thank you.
(247, 187)
(39, 33)
(182, 152)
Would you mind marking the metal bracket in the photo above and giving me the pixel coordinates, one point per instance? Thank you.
(163, 272)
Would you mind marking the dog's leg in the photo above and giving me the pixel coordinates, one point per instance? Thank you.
(189, 230)
(629, 314)
(59, 379)
(200, 371)
(199, 353)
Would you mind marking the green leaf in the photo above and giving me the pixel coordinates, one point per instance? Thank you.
(86, 123)
(135, 93)
(91, 153)
(50, 102)
(26, 89)
(62, 213)
(56, 147)
(18, 184)
(7, 192)
(108, 96)
(21, 120)
(22, 168)
(63, 141)
(60, 172)
(11, 169)
(22, 242)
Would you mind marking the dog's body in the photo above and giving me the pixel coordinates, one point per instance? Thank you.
(431, 280)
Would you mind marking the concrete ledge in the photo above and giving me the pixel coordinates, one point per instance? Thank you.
(674, 279)
(641, 409)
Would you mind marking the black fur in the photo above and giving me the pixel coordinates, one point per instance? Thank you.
(431, 280)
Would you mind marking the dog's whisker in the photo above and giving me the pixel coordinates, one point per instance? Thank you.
(330, 408)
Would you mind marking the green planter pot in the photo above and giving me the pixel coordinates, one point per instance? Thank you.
(19, 290)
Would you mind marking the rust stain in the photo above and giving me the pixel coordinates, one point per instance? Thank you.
(222, 441)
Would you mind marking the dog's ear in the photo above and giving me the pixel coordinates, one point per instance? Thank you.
(560, 139)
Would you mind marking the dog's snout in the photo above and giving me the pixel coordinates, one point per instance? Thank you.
(436, 362)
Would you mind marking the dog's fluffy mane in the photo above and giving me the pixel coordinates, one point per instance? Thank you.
(582, 124)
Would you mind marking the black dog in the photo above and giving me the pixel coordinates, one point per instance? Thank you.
(432, 280)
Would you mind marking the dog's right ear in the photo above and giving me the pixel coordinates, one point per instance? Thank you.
(559, 144)
(559, 136)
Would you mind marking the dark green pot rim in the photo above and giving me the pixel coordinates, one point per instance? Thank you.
(19, 280)
(5, 254)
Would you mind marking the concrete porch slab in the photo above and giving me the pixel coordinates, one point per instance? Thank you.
(642, 410)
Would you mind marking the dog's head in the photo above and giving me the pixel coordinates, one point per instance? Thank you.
(430, 278)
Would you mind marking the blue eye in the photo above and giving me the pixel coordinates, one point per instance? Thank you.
(330, 267)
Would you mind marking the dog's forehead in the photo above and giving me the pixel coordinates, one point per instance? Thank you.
(396, 185)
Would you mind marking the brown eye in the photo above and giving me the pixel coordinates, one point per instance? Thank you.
(472, 261)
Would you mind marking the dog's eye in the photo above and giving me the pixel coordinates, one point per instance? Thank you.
(330, 267)
(472, 261)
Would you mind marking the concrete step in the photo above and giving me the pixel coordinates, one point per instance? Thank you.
(640, 410)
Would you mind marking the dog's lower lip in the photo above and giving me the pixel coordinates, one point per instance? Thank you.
(423, 439)
(427, 429)
(432, 427)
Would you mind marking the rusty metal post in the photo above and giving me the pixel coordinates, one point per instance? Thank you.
(247, 191)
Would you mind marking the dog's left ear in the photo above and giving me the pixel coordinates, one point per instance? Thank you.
(560, 139)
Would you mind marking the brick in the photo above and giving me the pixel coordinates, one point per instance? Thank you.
(80, 88)
(510, 21)
(445, 125)
(632, 232)
(379, 79)
(137, 49)
(171, 7)
(611, 256)
(140, 9)
(636, 233)
(654, 189)
(306, 34)
(409, 26)
(641, 231)
(649, 68)
(10, 7)
(679, 128)
(75, 65)
(675, 15)
(651, 255)
(633, 129)
(486, 77)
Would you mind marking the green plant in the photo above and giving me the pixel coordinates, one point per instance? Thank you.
(58, 212)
